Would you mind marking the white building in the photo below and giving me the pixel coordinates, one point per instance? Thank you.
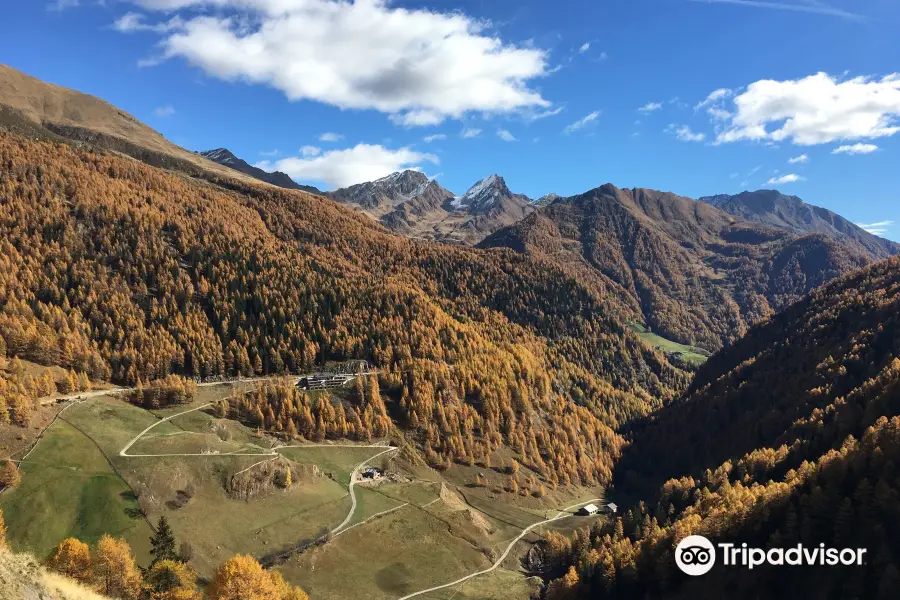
(590, 509)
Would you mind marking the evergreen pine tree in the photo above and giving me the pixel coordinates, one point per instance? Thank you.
(162, 543)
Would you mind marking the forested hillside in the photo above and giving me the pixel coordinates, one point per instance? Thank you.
(127, 272)
(791, 436)
(692, 272)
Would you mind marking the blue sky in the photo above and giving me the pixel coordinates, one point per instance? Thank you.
(732, 91)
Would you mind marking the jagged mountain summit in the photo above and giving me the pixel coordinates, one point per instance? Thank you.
(384, 195)
(792, 214)
(410, 203)
(489, 195)
(226, 158)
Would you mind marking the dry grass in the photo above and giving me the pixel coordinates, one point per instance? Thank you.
(22, 577)
(41, 102)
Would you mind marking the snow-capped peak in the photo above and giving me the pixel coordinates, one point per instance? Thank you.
(482, 195)
(389, 179)
(481, 186)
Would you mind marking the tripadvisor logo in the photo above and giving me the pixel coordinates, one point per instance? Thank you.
(696, 555)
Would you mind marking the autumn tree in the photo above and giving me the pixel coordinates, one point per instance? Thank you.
(242, 578)
(284, 590)
(72, 558)
(565, 588)
(9, 475)
(67, 383)
(115, 572)
(171, 580)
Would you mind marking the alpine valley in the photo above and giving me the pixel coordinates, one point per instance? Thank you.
(216, 382)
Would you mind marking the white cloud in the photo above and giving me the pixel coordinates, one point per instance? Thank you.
(802, 159)
(684, 133)
(328, 136)
(650, 107)
(340, 168)
(714, 105)
(603, 56)
(506, 136)
(818, 109)
(789, 178)
(531, 115)
(584, 48)
(470, 132)
(164, 111)
(809, 6)
(434, 138)
(856, 149)
(714, 97)
(307, 151)
(734, 175)
(274, 152)
(879, 228)
(420, 66)
(717, 113)
(582, 122)
(131, 22)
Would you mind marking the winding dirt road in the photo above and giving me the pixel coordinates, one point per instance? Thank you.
(562, 514)
(354, 475)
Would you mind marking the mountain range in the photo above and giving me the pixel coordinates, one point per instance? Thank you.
(407, 203)
(410, 203)
(689, 270)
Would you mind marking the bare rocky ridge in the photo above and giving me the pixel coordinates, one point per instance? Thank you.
(792, 214)
(390, 192)
(226, 158)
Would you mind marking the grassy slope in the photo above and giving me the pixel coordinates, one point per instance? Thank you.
(500, 584)
(216, 525)
(409, 549)
(691, 354)
(69, 489)
(400, 553)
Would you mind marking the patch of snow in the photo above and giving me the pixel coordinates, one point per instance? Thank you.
(481, 186)
(392, 178)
